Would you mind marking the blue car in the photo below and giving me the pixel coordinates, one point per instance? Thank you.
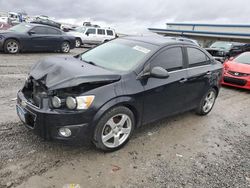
(35, 37)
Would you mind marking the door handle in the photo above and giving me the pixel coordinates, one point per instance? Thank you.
(183, 80)
(208, 73)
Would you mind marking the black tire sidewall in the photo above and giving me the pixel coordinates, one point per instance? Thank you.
(200, 110)
(5, 46)
(97, 140)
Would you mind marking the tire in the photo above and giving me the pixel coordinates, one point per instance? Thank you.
(65, 47)
(114, 129)
(78, 43)
(11, 46)
(207, 102)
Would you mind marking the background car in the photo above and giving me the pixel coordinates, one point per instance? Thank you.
(92, 35)
(4, 26)
(35, 37)
(222, 50)
(237, 71)
(108, 91)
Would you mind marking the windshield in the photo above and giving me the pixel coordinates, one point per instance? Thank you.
(222, 45)
(81, 29)
(20, 28)
(243, 58)
(119, 54)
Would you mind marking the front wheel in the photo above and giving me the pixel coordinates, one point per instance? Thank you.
(11, 46)
(114, 129)
(207, 102)
(65, 47)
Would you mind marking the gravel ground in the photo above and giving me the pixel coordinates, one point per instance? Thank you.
(180, 151)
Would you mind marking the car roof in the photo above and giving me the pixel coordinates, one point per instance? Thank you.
(37, 24)
(156, 40)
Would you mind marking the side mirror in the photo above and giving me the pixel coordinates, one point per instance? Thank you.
(31, 32)
(159, 72)
(87, 34)
(155, 72)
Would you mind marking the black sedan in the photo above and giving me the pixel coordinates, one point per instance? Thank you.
(106, 92)
(35, 37)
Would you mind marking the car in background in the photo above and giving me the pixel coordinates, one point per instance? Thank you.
(222, 50)
(237, 71)
(105, 93)
(92, 35)
(45, 20)
(4, 26)
(35, 37)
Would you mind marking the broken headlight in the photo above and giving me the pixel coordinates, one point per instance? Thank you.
(71, 103)
(56, 102)
(221, 53)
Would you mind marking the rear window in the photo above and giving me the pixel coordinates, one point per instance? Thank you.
(110, 32)
(53, 31)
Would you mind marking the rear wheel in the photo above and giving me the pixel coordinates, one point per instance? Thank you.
(11, 46)
(65, 47)
(78, 43)
(114, 129)
(207, 102)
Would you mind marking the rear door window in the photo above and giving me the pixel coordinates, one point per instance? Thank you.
(53, 31)
(170, 59)
(196, 57)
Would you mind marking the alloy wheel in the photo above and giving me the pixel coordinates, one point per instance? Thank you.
(116, 131)
(209, 101)
(12, 47)
(78, 43)
(65, 47)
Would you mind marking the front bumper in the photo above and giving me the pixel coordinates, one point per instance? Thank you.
(236, 81)
(1, 44)
(46, 122)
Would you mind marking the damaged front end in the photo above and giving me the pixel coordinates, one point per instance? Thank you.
(58, 100)
(218, 54)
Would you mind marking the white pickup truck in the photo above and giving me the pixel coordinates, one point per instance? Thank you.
(92, 35)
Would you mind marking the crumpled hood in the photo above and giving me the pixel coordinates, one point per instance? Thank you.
(62, 72)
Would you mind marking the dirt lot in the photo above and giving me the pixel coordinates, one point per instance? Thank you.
(181, 151)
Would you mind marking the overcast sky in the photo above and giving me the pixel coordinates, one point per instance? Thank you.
(135, 16)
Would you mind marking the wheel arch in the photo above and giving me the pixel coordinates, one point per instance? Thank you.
(79, 39)
(216, 88)
(13, 38)
(128, 102)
